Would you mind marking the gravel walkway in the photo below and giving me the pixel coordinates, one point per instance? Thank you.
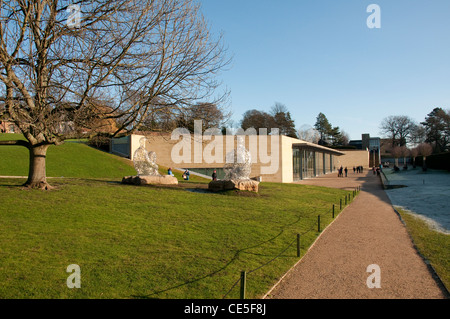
(367, 232)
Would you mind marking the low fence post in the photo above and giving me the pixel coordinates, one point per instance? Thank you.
(340, 204)
(333, 210)
(318, 223)
(298, 245)
(243, 283)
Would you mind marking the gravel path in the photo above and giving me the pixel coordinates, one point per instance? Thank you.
(367, 232)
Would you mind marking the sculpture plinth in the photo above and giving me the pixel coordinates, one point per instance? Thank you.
(150, 180)
(242, 185)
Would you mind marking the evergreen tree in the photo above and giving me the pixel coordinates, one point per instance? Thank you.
(437, 128)
(283, 121)
(324, 128)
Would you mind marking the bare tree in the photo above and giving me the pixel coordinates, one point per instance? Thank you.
(424, 150)
(398, 129)
(404, 152)
(414, 154)
(345, 138)
(309, 134)
(396, 152)
(418, 135)
(257, 120)
(59, 58)
(211, 115)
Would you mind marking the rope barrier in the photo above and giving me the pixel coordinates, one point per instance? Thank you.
(355, 192)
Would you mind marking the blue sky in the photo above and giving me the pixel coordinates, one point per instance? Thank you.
(320, 56)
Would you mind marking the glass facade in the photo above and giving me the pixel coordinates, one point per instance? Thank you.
(297, 164)
(309, 163)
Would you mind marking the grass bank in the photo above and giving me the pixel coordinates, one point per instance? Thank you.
(431, 244)
(152, 242)
(145, 242)
(72, 159)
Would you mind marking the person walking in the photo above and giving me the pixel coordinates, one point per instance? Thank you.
(346, 170)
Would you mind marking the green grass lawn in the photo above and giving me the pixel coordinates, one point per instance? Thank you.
(431, 244)
(151, 242)
(72, 159)
(145, 242)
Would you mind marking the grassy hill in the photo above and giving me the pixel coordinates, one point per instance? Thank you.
(72, 159)
(146, 242)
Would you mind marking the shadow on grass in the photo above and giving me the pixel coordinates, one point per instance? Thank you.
(273, 257)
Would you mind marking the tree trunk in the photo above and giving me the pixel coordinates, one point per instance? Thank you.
(37, 177)
(424, 165)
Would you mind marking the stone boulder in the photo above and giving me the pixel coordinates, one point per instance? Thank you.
(150, 180)
(242, 185)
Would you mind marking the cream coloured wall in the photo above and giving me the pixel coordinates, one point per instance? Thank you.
(272, 156)
(164, 147)
(353, 158)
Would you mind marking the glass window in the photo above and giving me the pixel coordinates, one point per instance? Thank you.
(297, 164)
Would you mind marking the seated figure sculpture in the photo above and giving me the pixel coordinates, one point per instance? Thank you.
(239, 162)
(145, 163)
(237, 171)
(147, 169)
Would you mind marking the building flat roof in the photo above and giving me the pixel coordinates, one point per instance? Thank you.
(319, 147)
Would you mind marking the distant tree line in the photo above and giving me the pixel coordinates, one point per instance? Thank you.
(278, 117)
(402, 130)
(323, 133)
(408, 138)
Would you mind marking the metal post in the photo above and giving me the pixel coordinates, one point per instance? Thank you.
(243, 283)
(318, 223)
(340, 204)
(298, 245)
(333, 210)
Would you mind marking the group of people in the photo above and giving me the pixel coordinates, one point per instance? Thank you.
(358, 169)
(341, 172)
(186, 174)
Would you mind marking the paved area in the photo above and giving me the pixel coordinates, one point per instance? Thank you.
(367, 232)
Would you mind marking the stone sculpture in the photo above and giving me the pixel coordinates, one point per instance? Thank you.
(145, 162)
(237, 170)
(147, 169)
(239, 162)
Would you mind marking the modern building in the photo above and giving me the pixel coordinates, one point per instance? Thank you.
(372, 145)
(275, 158)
